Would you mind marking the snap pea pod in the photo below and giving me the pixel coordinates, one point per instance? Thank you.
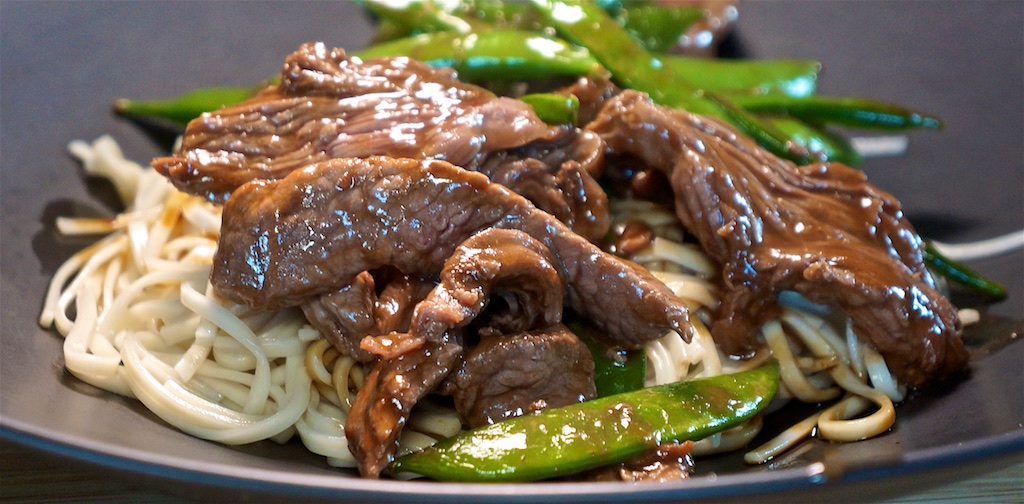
(817, 141)
(184, 108)
(421, 17)
(497, 54)
(554, 108)
(501, 14)
(794, 78)
(571, 439)
(846, 111)
(387, 29)
(657, 27)
(496, 47)
(612, 375)
(961, 274)
(635, 67)
(493, 55)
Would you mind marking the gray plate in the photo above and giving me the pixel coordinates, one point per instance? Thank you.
(62, 63)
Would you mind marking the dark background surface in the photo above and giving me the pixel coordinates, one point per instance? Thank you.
(61, 64)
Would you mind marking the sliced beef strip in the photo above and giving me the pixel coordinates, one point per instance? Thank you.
(821, 230)
(667, 463)
(504, 263)
(330, 105)
(592, 93)
(395, 303)
(511, 375)
(356, 311)
(391, 389)
(494, 263)
(346, 316)
(283, 242)
(558, 175)
(491, 261)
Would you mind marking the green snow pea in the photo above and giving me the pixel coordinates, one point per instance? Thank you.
(633, 66)
(817, 141)
(497, 54)
(846, 111)
(568, 440)
(420, 17)
(961, 274)
(184, 108)
(612, 374)
(795, 78)
(554, 108)
(658, 27)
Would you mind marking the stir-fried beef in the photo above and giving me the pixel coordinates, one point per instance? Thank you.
(346, 316)
(285, 242)
(592, 94)
(391, 389)
(821, 230)
(503, 263)
(356, 311)
(669, 462)
(330, 105)
(508, 376)
(492, 263)
(558, 176)
(395, 303)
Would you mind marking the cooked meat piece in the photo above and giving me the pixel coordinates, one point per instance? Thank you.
(509, 376)
(391, 389)
(592, 92)
(558, 176)
(505, 262)
(669, 462)
(283, 242)
(356, 311)
(330, 105)
(821, 230)
(396, 302)
(346, 316)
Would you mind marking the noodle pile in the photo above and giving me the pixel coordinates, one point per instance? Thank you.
(147, 325)
(140, 319)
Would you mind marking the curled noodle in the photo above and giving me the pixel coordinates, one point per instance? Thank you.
(140, 319)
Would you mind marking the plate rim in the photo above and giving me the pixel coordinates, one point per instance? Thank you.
(776, 481)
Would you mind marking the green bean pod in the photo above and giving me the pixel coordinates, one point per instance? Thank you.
(571, 439)
(501, 14)
(794, 78)
(497, 54)
(624, 372)
(961, 274)
(184, 108)
(635, 67)
(554, 108)
(420, 17)
(658, 27)
(847, 111)
(817, 141)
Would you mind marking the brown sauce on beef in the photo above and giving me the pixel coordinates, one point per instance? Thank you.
(448, 280)
(822, 230)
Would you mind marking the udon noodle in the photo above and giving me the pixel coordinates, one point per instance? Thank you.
(140, 319)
